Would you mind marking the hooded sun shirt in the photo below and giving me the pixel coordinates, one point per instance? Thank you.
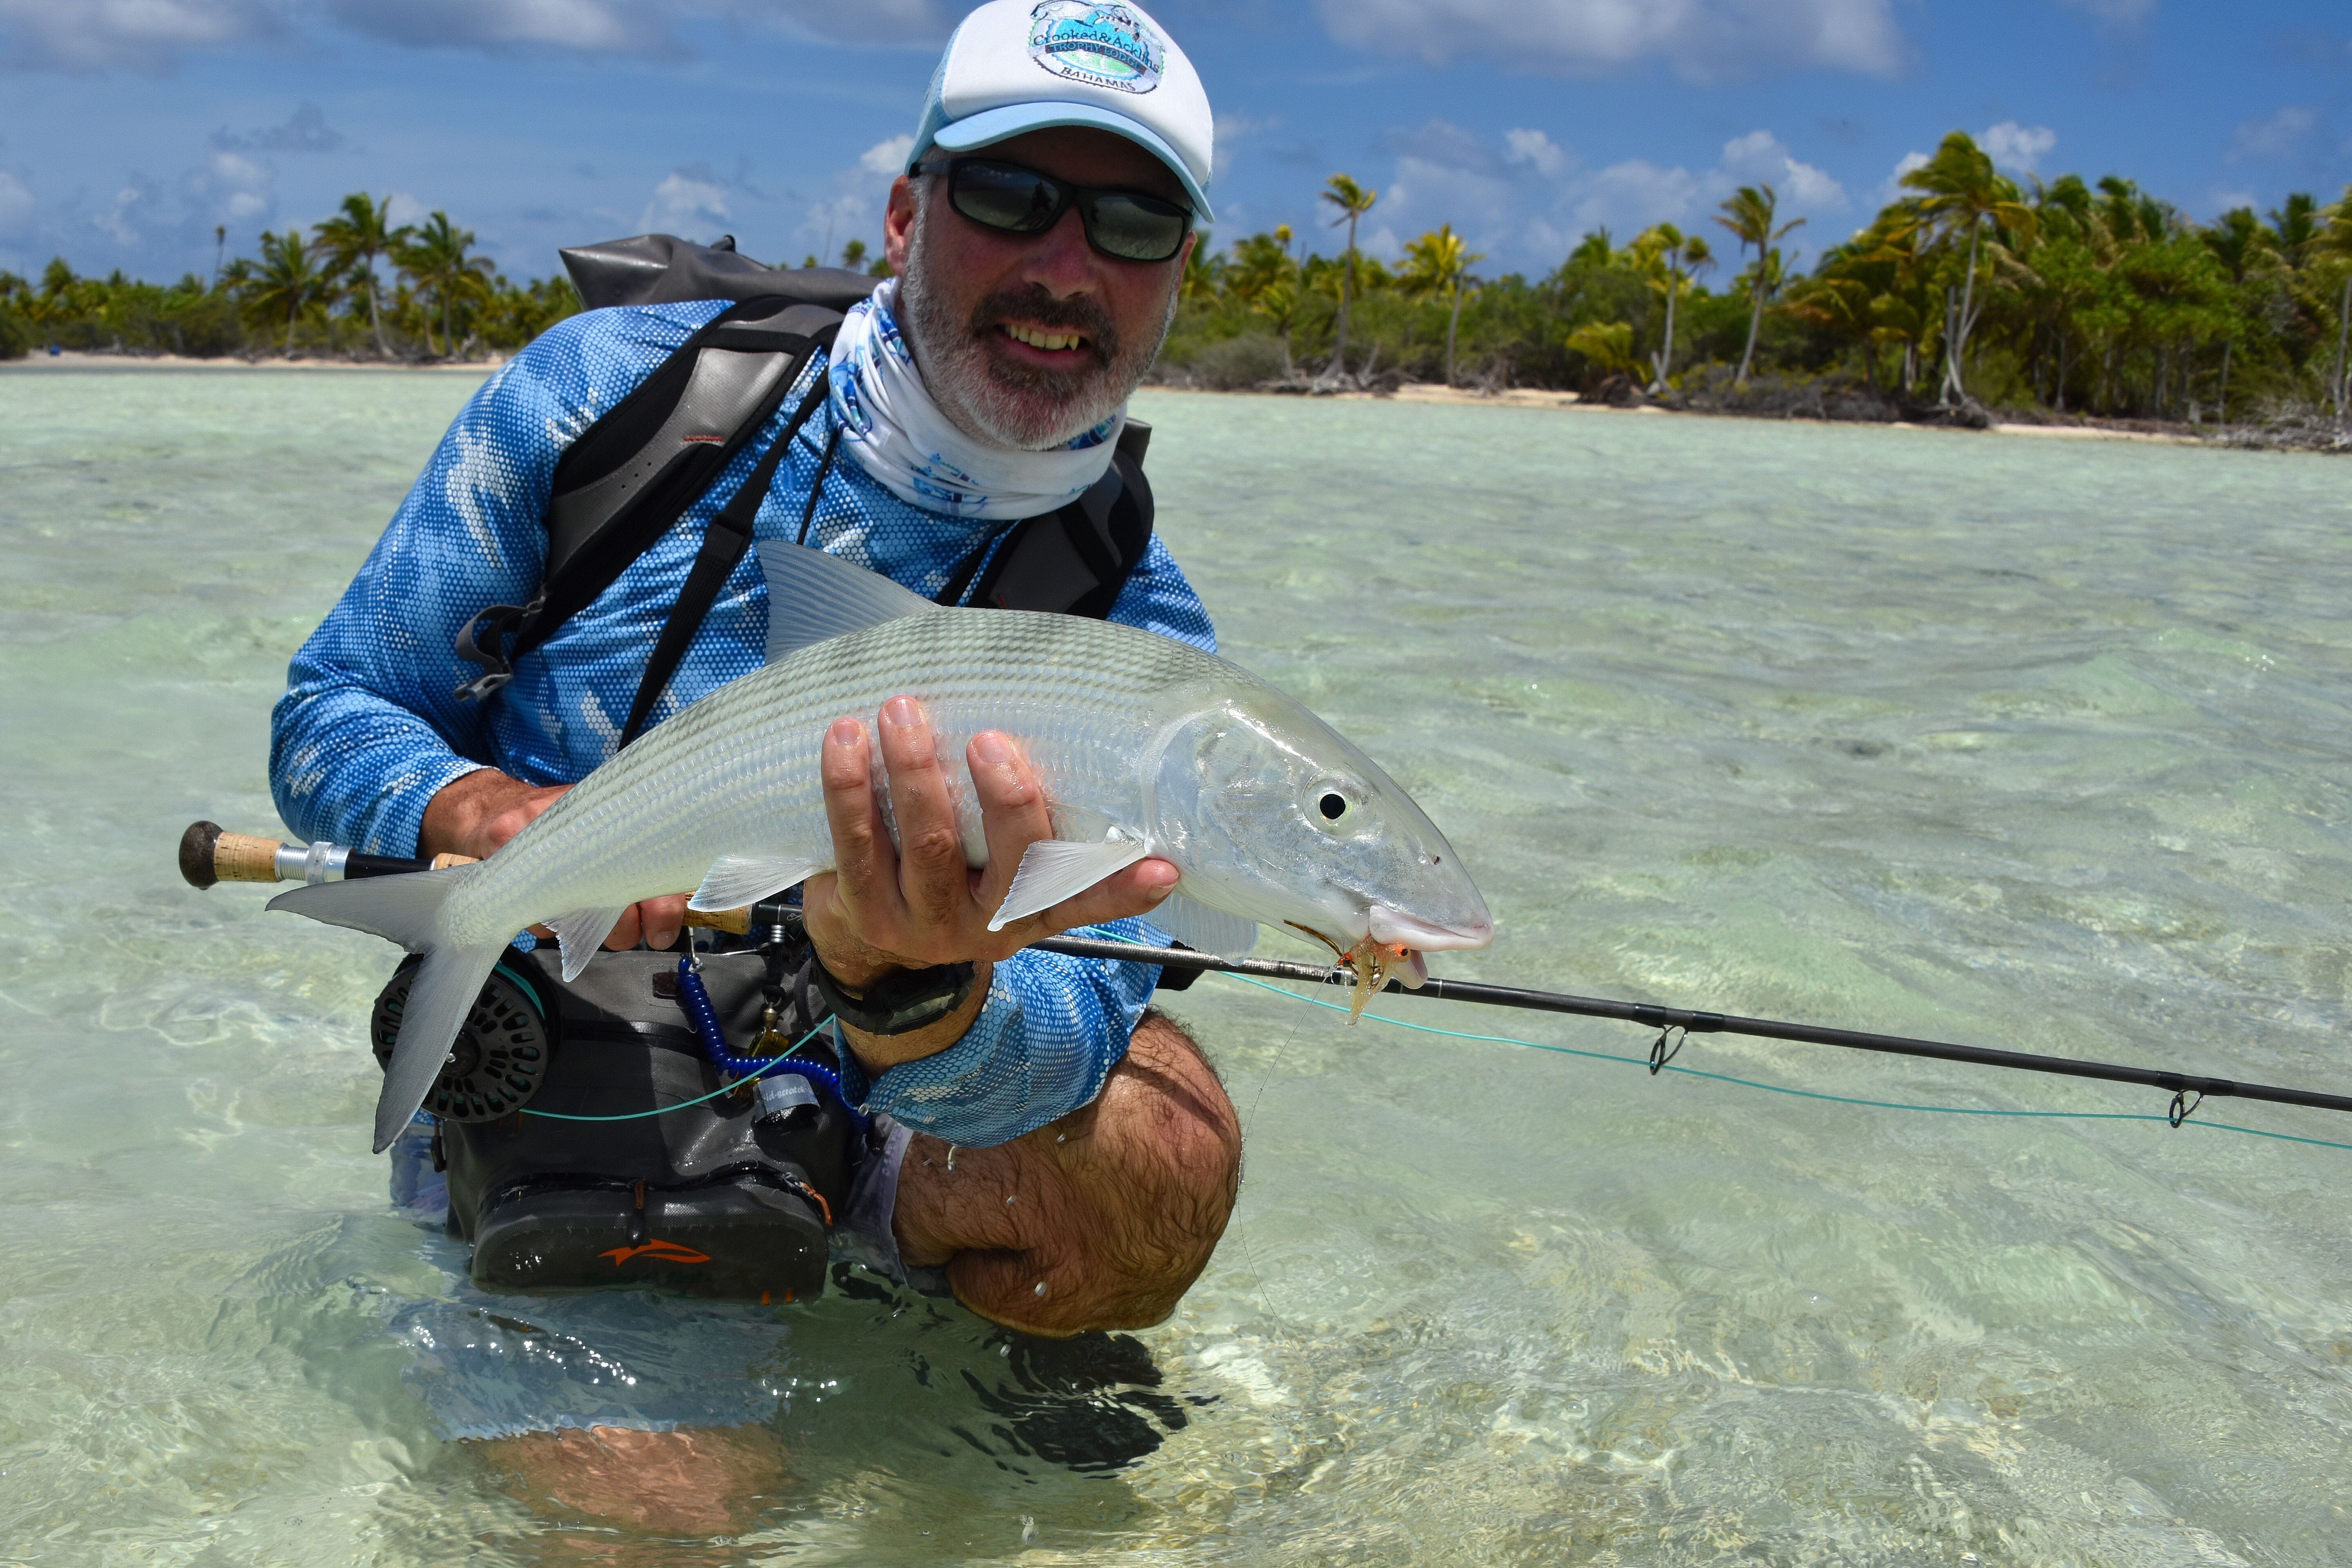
(897, 435)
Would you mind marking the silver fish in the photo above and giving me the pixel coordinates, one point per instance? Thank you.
(1144, 745)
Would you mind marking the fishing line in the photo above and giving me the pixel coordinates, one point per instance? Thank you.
(698, 1100)
(1248, 1254)
(1783, 1088)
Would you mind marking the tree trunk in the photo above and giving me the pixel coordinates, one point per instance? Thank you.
(2227, 345)
(1663, 363)
(2342, 340)
(448, 324)
(1755, 317)
(1451, 323)
(375, 312)
(2062, 370)
(1347, 294)
(1955, 389)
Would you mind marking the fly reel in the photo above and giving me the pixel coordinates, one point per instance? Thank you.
(498, 1059)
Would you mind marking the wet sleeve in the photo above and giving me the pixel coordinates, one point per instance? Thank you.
(370, 727)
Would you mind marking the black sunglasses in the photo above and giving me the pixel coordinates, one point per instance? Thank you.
(1122, 225)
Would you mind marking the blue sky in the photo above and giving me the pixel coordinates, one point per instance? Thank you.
(129, 129)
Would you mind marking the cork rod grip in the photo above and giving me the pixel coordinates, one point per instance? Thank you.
(208, 855)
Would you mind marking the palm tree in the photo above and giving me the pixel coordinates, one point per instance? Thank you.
(438, 261)
(352, 242)
(285, 281)
(1354, 202)
(1679, 258)
(1960, 191)
(1608, 344)
(1438, 262)
(1748, 216)
(2294, 227)
(2335, 244)
(2241, 243)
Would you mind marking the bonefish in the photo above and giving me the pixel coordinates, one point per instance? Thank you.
(1144, 746)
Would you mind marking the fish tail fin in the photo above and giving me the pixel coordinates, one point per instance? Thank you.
(407, 909)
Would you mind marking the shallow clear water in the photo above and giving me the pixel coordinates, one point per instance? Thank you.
(2023, 742)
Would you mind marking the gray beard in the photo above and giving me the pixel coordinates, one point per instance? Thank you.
(993, 403)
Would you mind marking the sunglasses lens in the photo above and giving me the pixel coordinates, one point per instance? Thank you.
(1137, 229)
(1013, 200)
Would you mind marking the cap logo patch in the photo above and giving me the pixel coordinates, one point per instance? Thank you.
(1101, 46)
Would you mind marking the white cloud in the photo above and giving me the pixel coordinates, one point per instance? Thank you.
(152, 35)
(688, 202)
(1702, 39)
(852, 208)
(1893, 190)
(1535, 150)
(2019, 147)
(2276, 136)
(887, 159)
(1531, 201)
(136, 35)
(305, 130)
(1759, 156)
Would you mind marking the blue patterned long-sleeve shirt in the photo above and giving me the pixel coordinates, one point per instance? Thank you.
(371, 728)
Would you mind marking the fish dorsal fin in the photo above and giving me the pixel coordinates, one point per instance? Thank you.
(813, 597)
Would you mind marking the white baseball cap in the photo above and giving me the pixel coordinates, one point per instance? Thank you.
(1025, 65)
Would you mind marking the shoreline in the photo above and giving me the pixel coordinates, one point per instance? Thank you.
(83, 359)
(2234, 438)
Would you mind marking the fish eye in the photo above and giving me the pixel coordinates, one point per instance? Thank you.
(1333, 806)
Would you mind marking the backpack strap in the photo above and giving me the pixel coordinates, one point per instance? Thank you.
(1074, 560)
(633, 473)
(724, 541)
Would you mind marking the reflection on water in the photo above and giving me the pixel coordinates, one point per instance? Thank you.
(2028, 743)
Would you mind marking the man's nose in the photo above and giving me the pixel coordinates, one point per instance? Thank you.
(1060, 260)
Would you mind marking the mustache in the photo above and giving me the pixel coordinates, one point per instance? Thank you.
(1032, 304)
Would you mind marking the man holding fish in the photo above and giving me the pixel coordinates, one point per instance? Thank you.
(985, 778)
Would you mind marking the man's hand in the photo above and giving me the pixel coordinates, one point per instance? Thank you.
(920, 904)
(477, 813)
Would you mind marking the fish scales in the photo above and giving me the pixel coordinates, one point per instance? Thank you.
(737, 772)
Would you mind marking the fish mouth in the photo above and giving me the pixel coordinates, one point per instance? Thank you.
(1395, 928)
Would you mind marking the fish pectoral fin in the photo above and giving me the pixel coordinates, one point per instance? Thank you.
(1055, 868)
(813, 597)
(1203, 929)
(582, 932)
(735, 881)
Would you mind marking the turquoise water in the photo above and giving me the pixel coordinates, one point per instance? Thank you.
(2023, 742)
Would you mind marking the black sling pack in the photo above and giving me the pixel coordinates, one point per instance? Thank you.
(633, 473)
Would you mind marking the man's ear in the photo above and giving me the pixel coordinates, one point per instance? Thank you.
(899, 223)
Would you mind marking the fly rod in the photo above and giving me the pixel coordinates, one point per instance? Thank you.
(208, 855)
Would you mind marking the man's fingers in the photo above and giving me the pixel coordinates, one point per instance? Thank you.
(1013, 813)
(868, 868)
(1136, 890)
(626, 931)
(663, 918)
(930, 844)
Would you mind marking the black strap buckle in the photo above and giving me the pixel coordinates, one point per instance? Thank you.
(503, 621)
